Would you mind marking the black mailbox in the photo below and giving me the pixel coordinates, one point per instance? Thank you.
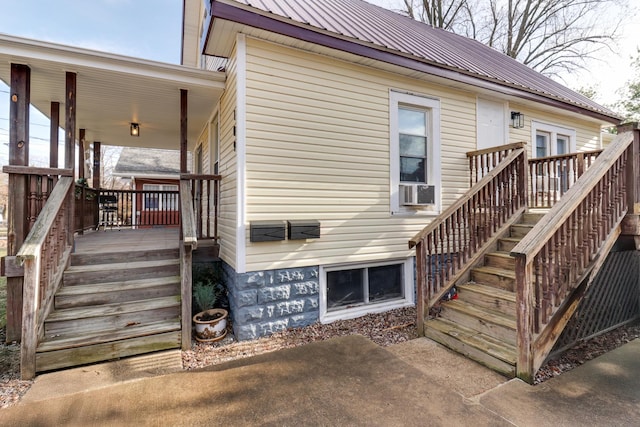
(266, 231)
(302, 229)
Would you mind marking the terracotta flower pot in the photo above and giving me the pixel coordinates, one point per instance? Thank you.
(211, 325)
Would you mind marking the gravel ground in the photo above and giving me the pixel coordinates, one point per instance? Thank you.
(11, 387)
(384, 329)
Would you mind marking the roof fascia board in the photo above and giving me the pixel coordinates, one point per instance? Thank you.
(77, 57)
(221, 10)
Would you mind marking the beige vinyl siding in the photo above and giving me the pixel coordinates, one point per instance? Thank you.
(203, 141)
(227, 168)
(587, 132)
(317, 140)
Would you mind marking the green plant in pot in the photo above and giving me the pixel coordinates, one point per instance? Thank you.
(210, 322)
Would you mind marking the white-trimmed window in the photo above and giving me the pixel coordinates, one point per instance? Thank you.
(160, 201)
(414, 153)
(353, 290)
(552, 140)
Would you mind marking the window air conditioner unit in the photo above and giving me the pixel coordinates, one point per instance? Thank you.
(417, 194)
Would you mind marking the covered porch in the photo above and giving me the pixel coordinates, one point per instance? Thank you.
(98, 99)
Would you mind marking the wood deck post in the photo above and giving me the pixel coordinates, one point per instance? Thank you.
(183, 131)
(81, 175)
(17, 209)
(422, 305)
(631, 222)
(524, 320)
(97, 172)
(70, 144)
(633, 168)
(53, 134)
(81, 141)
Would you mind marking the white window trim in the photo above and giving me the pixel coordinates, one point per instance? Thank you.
(434, 175)
(161, 187)
(554, 131)
(358, 311)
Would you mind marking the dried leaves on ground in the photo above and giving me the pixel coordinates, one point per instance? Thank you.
(384, 329)
(587, 350)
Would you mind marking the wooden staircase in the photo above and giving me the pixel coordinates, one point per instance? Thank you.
(113, 305)
(481, 323)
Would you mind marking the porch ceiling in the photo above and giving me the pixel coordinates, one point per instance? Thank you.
(114, 90)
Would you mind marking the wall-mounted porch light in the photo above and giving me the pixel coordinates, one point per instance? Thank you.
(134, 130)
(517, 120)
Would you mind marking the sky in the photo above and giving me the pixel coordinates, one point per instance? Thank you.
(152, 30)
(139, 28)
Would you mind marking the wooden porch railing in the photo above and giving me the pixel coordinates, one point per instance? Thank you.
(86, 208)
(455, 241)
(137, 208)
(482, 161)
(205, 190)
(567, 248)
(44, 255)
(198, 198)
(40, 184)
(551, 177)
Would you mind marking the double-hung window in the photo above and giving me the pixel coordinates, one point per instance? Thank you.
(414, 153)
(552, 140)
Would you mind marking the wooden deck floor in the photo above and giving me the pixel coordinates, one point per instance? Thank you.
(127, 240)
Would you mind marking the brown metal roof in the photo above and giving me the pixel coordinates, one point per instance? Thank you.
(375, 27)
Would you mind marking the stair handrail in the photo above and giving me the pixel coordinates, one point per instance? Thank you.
(188, 243)
(44, 254)
(450, 245)
(554, 257)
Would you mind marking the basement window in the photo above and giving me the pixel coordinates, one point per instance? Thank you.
(349, 291)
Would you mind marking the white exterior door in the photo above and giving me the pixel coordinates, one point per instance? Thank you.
(492, 127)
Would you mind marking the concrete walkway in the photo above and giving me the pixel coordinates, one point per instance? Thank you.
(343, 381)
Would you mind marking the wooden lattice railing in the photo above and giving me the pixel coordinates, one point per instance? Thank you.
(567, 248)
(44, 255)
(551, 177)
(454, 241)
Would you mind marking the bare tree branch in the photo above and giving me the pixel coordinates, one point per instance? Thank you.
(550, 36)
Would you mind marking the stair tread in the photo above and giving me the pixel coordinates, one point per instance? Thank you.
(80, 340)
(121, 265)
(497, 271)
(490, 291)
(487, 344)
(122, 285)
(503, 254)
(486, 314)
(112, 309)
(511, 239)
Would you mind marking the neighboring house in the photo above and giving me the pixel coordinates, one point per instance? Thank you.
(153, 173)
(354, 118)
